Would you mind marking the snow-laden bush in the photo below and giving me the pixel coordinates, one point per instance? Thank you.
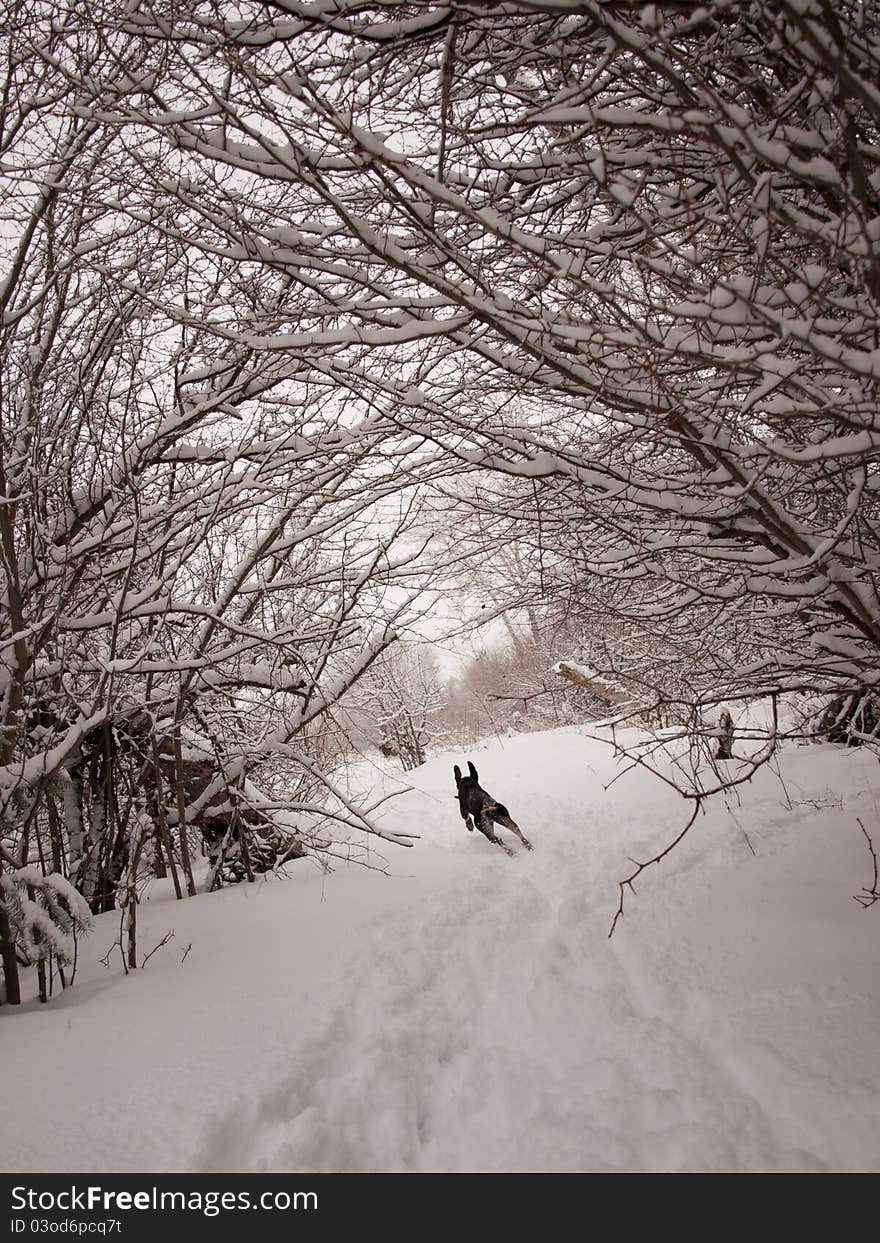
(45, 914)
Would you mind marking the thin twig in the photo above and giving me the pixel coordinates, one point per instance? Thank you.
(640, 867)
(167, 937)
(869, 896)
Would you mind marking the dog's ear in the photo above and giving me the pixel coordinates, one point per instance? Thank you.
(472, 771)
(457, 772)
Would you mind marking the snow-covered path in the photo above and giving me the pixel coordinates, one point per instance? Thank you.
(470, 1013)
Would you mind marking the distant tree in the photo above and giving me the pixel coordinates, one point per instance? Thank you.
(401, 698)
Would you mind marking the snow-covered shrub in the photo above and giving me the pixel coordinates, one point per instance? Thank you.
(45, 914)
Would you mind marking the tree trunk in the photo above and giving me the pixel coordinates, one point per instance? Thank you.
(725, 738)
(10, 962)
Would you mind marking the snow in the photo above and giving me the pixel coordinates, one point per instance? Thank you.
(467, 1011)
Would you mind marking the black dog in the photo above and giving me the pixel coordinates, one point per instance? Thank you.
(480, 810)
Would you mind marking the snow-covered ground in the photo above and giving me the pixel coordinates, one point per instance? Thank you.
(468, 1012)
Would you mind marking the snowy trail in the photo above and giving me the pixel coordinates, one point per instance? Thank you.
(493, 1026)
(470, 1013)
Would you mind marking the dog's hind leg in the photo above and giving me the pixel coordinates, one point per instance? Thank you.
(514, 828)
(498, 813)
(485, 827)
